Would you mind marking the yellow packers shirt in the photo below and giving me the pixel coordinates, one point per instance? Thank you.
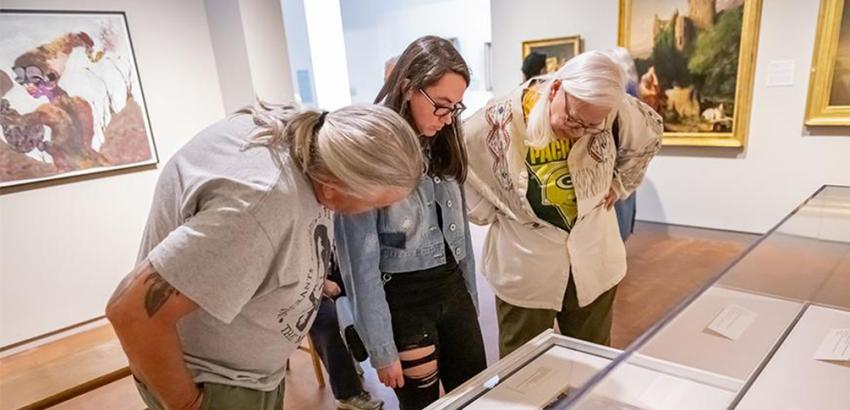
(550, 186)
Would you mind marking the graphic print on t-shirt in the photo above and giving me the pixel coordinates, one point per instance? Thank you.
(310, 295)
(322, 247)
(550, 185)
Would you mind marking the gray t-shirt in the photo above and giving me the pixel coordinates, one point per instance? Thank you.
(239, 232)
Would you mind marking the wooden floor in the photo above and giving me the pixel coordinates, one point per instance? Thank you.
(666, 263)
(61, 369)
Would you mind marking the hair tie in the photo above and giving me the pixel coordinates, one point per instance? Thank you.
(320, 122)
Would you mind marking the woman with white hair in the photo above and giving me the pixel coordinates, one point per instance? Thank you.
(544, 172)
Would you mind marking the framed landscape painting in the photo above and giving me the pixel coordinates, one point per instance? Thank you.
(71, 101)
(695, 61)
(829, 88)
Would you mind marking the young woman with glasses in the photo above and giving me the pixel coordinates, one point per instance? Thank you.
(409, 268)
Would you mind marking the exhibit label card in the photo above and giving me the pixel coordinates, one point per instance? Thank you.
(732, 321)
(780, 73)
(835, 346)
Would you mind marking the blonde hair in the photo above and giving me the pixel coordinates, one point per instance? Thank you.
(361, 149)
(592, 77)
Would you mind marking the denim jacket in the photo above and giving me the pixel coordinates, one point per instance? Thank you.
(403, 237)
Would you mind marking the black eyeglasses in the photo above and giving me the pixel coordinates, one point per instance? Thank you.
(572, 121)
(441, 110)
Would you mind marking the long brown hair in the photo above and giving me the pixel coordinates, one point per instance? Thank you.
(423, 63)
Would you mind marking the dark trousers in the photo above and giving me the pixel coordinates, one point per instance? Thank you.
(435, 310)
(518, 325)
(344, 380)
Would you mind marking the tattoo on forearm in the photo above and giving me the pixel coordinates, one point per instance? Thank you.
(158, 293)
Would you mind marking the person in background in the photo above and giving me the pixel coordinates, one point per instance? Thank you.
(238, 243)
(533, 65)
(626, 208)
(345, 381)
(409, 268)
(544, 173)
(388, 67)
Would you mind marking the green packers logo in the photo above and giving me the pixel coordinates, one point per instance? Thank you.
(556, 186)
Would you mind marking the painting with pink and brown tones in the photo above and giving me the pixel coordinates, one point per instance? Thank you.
(71, 100)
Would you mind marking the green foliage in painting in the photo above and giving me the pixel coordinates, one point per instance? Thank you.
(670, 64)
(714, 61)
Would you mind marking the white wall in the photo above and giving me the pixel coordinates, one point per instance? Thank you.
(514, 22)
(749, 190)
(250, 50)
(265, 42)
(376, 30)
(327, 51)
(64, 248)
(298, 45)
(231, 56)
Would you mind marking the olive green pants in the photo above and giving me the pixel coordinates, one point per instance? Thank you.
(518, 325)
(224, 397)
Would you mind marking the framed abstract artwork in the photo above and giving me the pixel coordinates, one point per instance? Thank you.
(71, 100)
(556, 50)
(695, 61)
(829, 87)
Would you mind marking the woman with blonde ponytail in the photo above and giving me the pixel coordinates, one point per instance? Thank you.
(238, 243)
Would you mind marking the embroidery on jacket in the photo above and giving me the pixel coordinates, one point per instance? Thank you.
(632, 163)
(593, 180)
(653, 120)
(599, 145)
(499, 117)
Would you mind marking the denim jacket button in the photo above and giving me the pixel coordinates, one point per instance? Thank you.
(437, 179)
(449, 203)
(457, 251)
(452, 227)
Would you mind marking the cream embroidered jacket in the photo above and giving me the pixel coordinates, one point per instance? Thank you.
(526, 259)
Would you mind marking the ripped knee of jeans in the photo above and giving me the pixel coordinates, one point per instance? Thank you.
(419, 366)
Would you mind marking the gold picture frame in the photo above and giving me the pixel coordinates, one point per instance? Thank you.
(557, 50)
(705, 113)
(829, 103)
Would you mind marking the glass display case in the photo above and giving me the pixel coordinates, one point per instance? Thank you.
(772, 331)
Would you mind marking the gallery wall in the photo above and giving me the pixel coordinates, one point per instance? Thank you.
(298, 45)
(63, 248)
(744, 190)
(250, 48)
(378, 30)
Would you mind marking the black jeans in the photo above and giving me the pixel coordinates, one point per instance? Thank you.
(345, 382)
(434, 308)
